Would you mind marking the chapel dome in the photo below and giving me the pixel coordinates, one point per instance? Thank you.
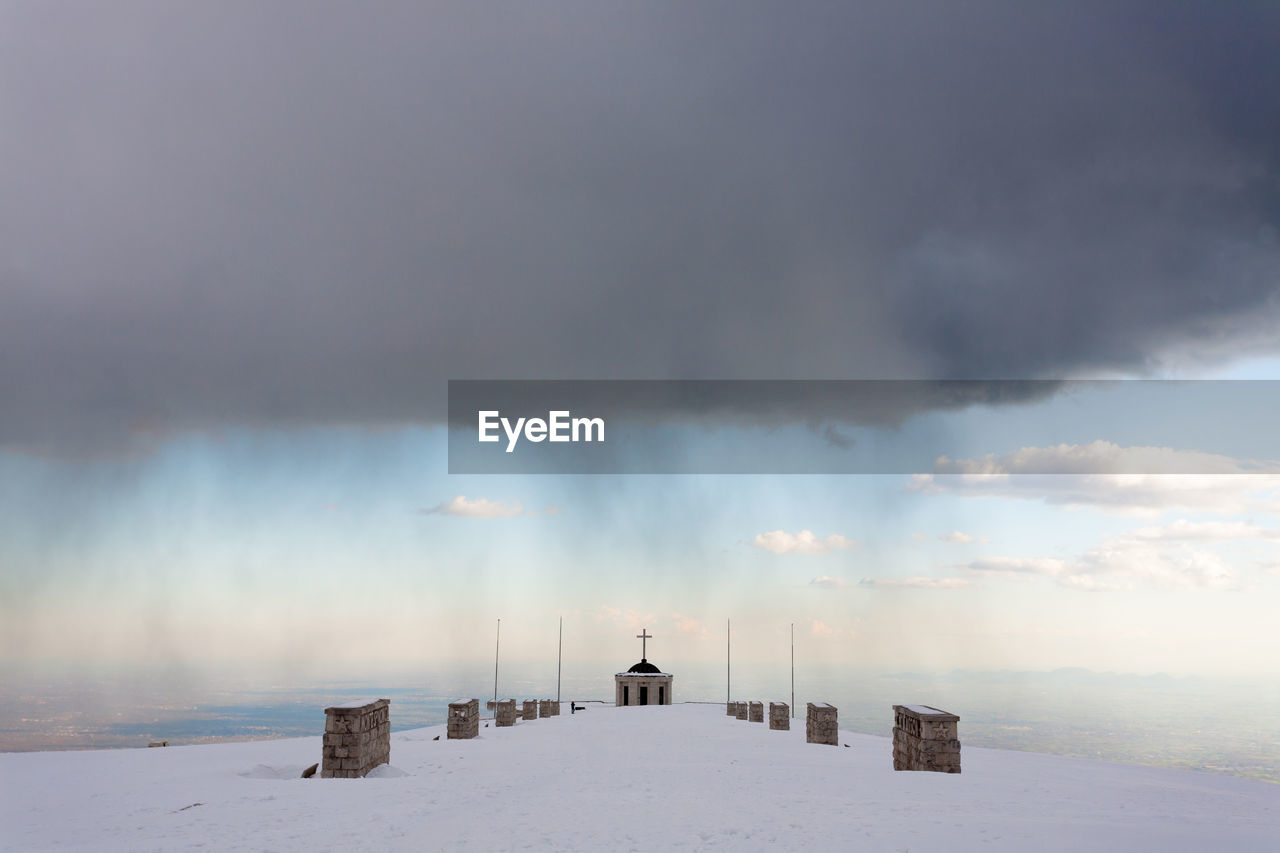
(644, 666)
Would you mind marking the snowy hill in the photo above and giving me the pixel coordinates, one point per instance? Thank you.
(683, 776)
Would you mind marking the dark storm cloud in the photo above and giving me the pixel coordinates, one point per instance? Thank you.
(768, 403)
(294, 213)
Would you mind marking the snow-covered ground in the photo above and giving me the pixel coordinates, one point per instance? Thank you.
(682, 776)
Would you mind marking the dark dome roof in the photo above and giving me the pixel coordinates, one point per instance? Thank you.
(644, 666)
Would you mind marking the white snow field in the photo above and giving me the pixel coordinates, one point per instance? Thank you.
(641, 778)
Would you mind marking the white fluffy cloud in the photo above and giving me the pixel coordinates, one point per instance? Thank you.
(960, 538)
(1017, 566)
(477, 508)
(917, 583)
(1207, 531)
(827, 581)
(804, 542)
(1124, 564)
(1161, 557)
(633, 619)
(1103, 457)
(1112, 478)
(821, 629)
(689, 625)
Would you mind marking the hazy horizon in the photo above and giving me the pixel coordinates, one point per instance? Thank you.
(1191, 723)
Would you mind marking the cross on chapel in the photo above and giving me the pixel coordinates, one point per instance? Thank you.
(642, 637)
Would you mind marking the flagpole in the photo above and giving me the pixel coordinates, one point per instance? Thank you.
(496, 641)
(559, 657)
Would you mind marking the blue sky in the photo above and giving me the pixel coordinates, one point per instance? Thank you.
(279, 549)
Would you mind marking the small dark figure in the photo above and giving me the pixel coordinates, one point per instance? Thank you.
(437, 737)
(310, 771)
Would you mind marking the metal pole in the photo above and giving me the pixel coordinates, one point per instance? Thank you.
(793, 670)
(497, 640)
(728, 645)
(559, 655)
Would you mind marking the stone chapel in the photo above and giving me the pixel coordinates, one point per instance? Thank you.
(644, 683)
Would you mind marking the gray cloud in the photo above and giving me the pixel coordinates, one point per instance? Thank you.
(297, 213)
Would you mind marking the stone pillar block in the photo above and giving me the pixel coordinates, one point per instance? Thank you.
(740, 710)
(820, 724)
(464, 719)
(529, 710)
(357, 738)
(780, 716)
(925, 738)
(755, 712)
(504, 713)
